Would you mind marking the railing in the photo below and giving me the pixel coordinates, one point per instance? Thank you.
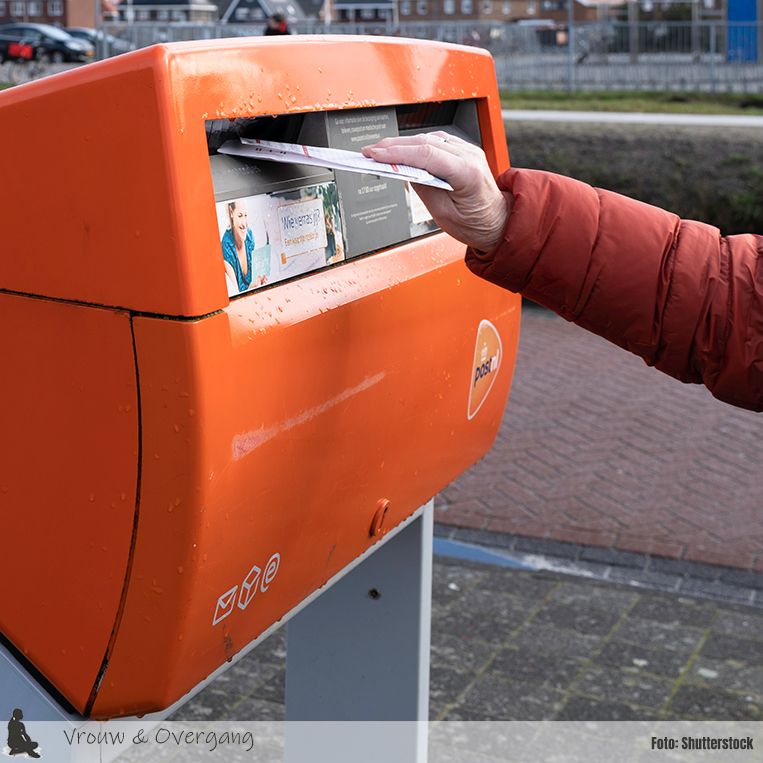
(672, 56)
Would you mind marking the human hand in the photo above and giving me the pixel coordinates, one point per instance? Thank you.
(475, 211)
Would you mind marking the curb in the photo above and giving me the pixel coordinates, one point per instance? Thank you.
(707, 581)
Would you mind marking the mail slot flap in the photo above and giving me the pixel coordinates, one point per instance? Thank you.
(122, 175)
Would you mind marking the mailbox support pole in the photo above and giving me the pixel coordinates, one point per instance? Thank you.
(357, 665)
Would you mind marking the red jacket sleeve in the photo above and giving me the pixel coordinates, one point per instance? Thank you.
(672, 291)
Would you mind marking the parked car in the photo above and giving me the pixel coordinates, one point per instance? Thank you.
(47, 42)
(114, 44)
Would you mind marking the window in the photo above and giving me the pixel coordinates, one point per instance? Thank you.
(449, 6)
(487, 6)
(35, 9)
(17, 9)
(178, 16)
(405, 8)
(466, 6)
(530, 7)
(367, 14)
(163, 15)
(144, 15)
(241, 14)
(55, 8)
(506, 8)
(2, 9)
(422, 7)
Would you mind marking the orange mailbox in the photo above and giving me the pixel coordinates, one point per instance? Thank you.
(219, 372)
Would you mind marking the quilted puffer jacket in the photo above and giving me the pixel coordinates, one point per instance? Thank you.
(672, 291)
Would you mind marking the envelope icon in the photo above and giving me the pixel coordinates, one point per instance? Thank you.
(225, 605)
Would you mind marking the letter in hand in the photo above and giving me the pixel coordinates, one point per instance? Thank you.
(475, 211)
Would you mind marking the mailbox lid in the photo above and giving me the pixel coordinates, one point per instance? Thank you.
(271, 430)
(123, 173)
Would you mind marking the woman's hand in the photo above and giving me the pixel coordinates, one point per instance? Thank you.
(475, 211)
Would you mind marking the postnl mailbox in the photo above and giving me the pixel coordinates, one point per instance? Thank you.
(224, 379)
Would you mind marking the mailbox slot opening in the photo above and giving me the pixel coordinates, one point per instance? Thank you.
(278, 221)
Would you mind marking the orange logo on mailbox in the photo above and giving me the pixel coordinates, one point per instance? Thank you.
(487, 360)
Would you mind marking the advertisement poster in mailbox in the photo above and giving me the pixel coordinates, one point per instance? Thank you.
(270, 237)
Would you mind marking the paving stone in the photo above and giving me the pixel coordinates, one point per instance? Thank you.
(209, 704)
(484, 538)
(436, 710)
(613, 557)
(251, 709)
(588, 570)
(533, 668)
(739, 624)
(444, 531)
(625, 686)
(271, 651)
(470, 535)
(601, 597)
(715, 704)
(672, 611)
(494, 604)
(446, 684)
(273, 690)
(742, 578)
(463, 654)
(450, 581)
(644, 578)
(245, 675)
(723, 647)
(639, 658)
(581, 619)
(555, 641)
(471, 625)
(529, 585)
(579, 708)
(726, 674)
(659, 635)
(547, 548)
(716, 590)
(495, 699)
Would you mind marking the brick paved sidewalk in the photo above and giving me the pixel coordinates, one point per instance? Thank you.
(597, 449)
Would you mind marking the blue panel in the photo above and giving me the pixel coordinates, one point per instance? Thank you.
(742, 38)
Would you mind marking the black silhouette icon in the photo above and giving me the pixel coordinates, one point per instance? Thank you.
(19, 741)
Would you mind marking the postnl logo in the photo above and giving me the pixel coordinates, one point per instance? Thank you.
(487, 360)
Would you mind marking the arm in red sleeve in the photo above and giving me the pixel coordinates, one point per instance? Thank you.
(672, 291)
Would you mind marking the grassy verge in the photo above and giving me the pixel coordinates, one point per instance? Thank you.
(672, 103)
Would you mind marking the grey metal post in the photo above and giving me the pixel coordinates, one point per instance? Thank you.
(571, 46)
(696, 51)
(357, 664)
(633, 30)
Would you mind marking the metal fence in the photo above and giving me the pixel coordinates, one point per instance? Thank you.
(665, 56)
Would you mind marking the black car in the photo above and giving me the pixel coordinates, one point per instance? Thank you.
(47, 42)
(113, 44)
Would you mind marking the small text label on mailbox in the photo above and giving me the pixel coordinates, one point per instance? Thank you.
(487, 360)
(255, 579)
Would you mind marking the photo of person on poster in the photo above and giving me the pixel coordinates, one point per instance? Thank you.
(247, 265)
